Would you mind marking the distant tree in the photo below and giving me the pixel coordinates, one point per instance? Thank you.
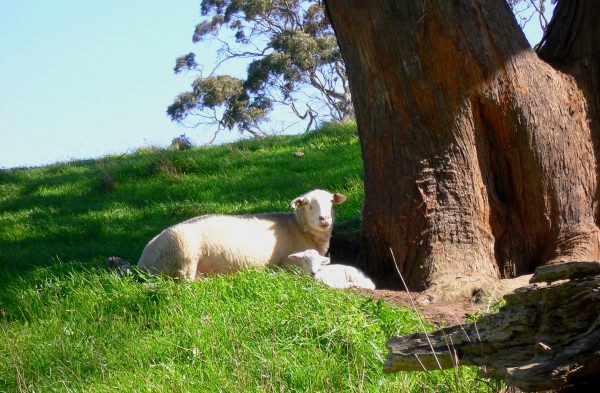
(296, 62)
(182, 142)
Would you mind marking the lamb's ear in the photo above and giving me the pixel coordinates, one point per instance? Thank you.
(298, 202)
(325, 261)
(339, 198)
(298, 255)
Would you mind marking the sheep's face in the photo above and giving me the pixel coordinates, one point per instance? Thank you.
(310, 261)
(317, 208)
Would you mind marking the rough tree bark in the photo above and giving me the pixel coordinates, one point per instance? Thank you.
(480, 158)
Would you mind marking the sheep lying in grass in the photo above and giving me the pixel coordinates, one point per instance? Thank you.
(226, 243)
(335, 276)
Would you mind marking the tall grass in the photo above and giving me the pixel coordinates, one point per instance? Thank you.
(68, 324)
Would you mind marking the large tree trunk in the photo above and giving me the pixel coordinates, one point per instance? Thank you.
(479, 158)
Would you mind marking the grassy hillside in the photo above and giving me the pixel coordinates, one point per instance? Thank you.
(71, 325)
(82, 211)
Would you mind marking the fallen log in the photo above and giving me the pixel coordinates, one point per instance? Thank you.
(546, 336)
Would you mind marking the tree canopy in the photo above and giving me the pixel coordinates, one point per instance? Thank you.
(295, 62)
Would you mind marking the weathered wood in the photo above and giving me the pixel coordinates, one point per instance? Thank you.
(547, 336)
(565, 271)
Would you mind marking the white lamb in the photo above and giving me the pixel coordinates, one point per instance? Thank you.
(335, 276)
(227, 243)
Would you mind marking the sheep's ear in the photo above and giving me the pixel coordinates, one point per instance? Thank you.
(298, 202)
(298, 255)
(325, 261)
(339, 198)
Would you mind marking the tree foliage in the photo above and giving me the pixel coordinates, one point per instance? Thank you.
(295, 61)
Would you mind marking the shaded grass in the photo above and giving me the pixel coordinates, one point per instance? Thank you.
(46, 212)
(68, 324)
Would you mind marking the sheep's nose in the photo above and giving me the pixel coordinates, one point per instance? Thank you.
(325, 219)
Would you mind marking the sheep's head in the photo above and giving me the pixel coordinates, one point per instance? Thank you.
(317, 208)
(310, 261)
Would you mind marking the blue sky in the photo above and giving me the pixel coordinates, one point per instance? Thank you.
(83, 79)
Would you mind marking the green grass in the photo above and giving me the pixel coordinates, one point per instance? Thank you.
(68, 324)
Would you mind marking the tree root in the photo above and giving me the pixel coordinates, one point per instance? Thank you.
(478, 288)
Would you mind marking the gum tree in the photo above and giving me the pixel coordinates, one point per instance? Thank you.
(480, 153)
(296, 62)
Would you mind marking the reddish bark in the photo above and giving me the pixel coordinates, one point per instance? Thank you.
(480, 158)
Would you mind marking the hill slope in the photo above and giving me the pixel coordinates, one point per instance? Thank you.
(69, 324)
(82, 211)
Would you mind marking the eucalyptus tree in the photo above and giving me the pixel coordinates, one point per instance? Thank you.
(294, 61)
(481, 155)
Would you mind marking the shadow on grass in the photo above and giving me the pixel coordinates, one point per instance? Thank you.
(64, 212)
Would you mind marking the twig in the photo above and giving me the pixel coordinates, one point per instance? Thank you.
(541, 17)
(418, 313)
(480, 346)
(20, 378)
(421, 363)
(462, 328)
(71, 371)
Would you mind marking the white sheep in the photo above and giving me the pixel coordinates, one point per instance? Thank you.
(335, 276)
(227, 243)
